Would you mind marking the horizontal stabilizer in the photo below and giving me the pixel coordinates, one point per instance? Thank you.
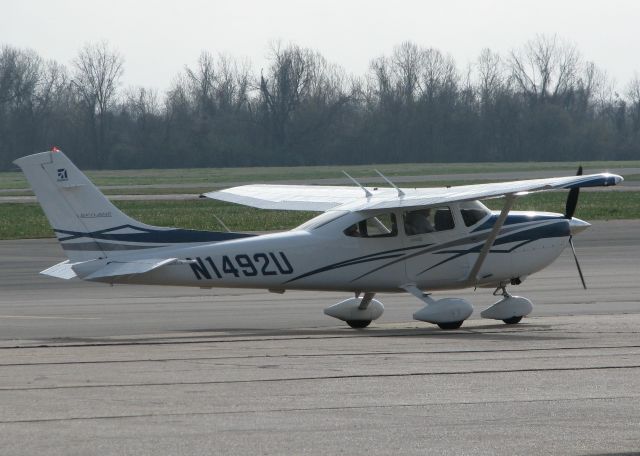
(121, 268)
(62, 270)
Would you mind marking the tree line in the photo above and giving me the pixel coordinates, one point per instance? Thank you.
(541, 102)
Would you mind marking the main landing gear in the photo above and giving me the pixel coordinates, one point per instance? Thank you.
(447, 313)
(510, 309)
(357, 312)
(358, 324)
(450, 325)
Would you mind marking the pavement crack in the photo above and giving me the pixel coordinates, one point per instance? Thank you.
(327, 355)
(327, 377)
(317, 409)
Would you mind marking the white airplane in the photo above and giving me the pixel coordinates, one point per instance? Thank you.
(366, 240)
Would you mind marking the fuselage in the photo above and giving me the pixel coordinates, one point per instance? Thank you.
(336, 251)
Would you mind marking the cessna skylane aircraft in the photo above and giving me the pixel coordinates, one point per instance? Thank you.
(366, 240)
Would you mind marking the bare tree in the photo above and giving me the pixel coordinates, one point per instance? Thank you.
(98, 70)
(439, 74)
(633, 95)
(545, 68)
(490, 74)
(19, 75)
(381, 80)
(408, 61)
(288, 80)
(141, 103)
(202, 84)
(233, 83)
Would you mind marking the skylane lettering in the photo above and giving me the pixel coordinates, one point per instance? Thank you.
(266, 264)
(95, 214)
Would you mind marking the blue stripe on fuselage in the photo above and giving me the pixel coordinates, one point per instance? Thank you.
(150, 235)
(513, 219)
(548, 230)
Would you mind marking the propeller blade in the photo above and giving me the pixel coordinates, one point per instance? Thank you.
(572, 199)
(572, 202)
(575, 257)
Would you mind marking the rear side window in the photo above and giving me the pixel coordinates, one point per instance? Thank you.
(423, 221)
(383, 225)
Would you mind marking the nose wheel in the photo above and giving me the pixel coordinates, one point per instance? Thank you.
(505, 294)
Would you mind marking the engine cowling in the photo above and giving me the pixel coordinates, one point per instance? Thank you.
(508, 307)
(445, 310)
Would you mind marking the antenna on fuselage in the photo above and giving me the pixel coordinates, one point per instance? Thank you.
(366, 192)
(388, 181)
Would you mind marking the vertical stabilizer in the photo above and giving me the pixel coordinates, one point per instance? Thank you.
(74, 206)
(86, 223)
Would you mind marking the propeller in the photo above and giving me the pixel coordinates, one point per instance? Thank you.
(575, 257)
(570, 209)
(572, 199)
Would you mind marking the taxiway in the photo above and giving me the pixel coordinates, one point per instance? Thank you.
(92, 369)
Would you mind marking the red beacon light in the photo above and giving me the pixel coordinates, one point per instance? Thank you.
(55, 149)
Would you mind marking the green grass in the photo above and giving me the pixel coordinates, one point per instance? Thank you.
(604, 205)
(206, 177)
(19, 221)
(27, 221)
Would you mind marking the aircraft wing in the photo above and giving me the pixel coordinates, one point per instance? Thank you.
(293, 197)
(437, 196)
(323, 198)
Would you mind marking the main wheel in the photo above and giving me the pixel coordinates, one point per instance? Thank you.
(512, 320)
(451, 324)
(358, 324)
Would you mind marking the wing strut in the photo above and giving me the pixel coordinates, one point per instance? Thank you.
(472, 279)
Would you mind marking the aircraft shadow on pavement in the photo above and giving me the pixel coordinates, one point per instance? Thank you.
(493, 332)
(526, 331)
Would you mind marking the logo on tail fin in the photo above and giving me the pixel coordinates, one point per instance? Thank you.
(62, 175)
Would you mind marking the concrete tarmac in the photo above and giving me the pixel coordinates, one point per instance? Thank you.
(91, 369)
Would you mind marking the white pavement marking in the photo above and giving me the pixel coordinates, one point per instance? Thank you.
(43, 317)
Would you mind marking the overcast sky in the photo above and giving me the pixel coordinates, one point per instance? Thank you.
(157, 38)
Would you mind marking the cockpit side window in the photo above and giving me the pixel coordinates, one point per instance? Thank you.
(383, 225)
(428, 220)
(472, 212)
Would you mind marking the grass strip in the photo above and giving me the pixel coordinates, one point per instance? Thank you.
(208, 176)
(25, 221)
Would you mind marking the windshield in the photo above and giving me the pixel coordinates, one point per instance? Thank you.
(321, 220)
(473, 211)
